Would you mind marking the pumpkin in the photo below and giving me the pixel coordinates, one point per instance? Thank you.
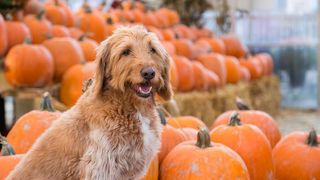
(39, 27)
(33, 7)
(153, 170)
(201, 32)
(139, 16)
(186, 122)
(297, 156)
(92, 23)
(189, 133)
(212, 79)
(233, 69)
(201, 47)
(234, 46)
(3, 37)
(75, 33)
(203, 159)
(215, 63)
(171, 15)
(245, 74)
(73, 80)
(109, 28)
(183, 31)
(216, 45)
(168, 34)
(156, 31)
(250, 143)
(200, 76)
(9, 159)
(169, 47)
(88, 47)
(139, 5)
(150, 19)
(185, 73)
(32, 125)
(253, 66)
(184, 47)
(29, 66)
(66, 52)
(268, 62)
(258, 118)
(17, 33)
(128, 15)
(174, 77)
(60, 31)
(162, 19)
(55, 13)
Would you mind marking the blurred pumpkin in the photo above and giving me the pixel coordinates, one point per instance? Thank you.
(17, 33)
(201, 47)
(268, 62)
(60, 31)
(186, 122)
(217, 45)
(212, 79)
(200, 79)
(32, 7)
(184, 47)
(88, 47)
(168, 34)
(185, 73)
(55, 13)
(3, 37)
(245, 74)
(234, 47)
(233, 69)
(75, 33)
(174, 76)
(169, 47)
(153, 170)
(253, 66)
(182, 31)
(39, 27)
(189, 133)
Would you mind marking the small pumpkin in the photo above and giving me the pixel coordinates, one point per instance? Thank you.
(17, 32)
(3, 37)
(250, 143)
(217, 45)
(233, 69)
(186, 122)
(245, 74)
(168, 34)
(88, 47)
(200, 76)
(254, 67)
(60, 31)
(169, 47)
(185, 73)
(55, 13)
(201, 47)
(268, 61)
(234, 47)
(184, 47)
(182, 31)
(32, 125)
(203, 159)
(75, 33)
(29, 66)
(297, 156)
(39, 27)
(212, 79)
(153, 170)
(32, 7)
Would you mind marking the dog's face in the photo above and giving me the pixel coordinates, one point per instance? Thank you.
(133, 60)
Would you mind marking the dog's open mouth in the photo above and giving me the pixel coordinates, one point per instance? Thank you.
(143, 89)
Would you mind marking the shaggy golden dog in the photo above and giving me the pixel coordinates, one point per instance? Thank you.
(113, 131)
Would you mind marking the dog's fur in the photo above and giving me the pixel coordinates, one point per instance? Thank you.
(111, 132)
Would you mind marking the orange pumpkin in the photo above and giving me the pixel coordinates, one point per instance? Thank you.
(201, 47)
(150, 19)
(73, 80)
(186, 122)
(184, 47)
(233, 69)
(185, 73)
(109, 28)
(183, 31)
(203, 159)
(212, 79)
(29, 66)
(234, 47)
(215, 63)
(217, 45)
(88, 47)
(153, 170)
(201, 32)
(162, 19)
(245, 74)
(39, 27)
(297, 156)
(60, 31)
(250, 143)
(75, 33)
(138, 16)
(189, 133)
(267, 61)
(200, 79)
(171, 15)
(31, 126)
(156, 31)
(55, 13)
(168, 34)
(169, 47)
(174, 76)
(253, 66)
(66, 52)
(32, 7)
(17, 33)
(3, 37)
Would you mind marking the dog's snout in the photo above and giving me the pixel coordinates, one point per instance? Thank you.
(148, 73)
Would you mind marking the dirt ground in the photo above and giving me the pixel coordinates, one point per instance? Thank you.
(290, 120)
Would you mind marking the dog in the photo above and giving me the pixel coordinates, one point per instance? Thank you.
(113, 131)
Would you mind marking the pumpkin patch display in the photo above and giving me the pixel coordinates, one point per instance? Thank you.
(17, 33)
(203, 159)
(39, 27)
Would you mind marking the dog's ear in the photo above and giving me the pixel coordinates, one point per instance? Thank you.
(165, 91)
(101, 75)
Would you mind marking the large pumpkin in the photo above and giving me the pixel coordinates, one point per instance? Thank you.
(29, 66)
(254, 67)
(184, 47)
(3, 37)
(73, 80)
(297, 156)
(66, 52)
(199, 72)
(55, 13)
(153, 170)
(17, 33)
(189, 133)
(32, 125)
(258, 118)
(88, 47)
(234, 47)
(203, 159)
(215, 62)
(186, 122)
(250, 143)
(39, 27)
(185, 73)
(60, 31)
(233, 69)
(217, 45)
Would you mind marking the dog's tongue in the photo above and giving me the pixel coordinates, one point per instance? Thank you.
(145, 88)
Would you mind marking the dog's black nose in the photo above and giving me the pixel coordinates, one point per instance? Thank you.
(147, 73)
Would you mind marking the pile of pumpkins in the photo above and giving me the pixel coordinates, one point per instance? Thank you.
(242, 144)
(51, 44)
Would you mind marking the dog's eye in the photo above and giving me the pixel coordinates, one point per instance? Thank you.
(153, 50)
(126, 52)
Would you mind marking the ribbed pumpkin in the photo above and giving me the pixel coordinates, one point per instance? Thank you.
(153, 170)
(109, 27)
(66, 52)
(234, 47)
(215, 62)
(201, 47)
(233, 69)
(186, 122)
(58, 12)
(268, 61)
(212, 79)
(60, 31)
(88, 47)
(32, 125)
(253, 66)
(203, 159)
(162, 19)
(250, 143)
(73, 80)
(3, 36)
(199, 72)
(189, 133)
(185, 73)
(184, 47)
(297, 156)
(217, 45)
(32, 7)
(17, 33)
(39, 27)
(150, 19)
(29, 66)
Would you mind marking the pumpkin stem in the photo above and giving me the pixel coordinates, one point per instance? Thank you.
(46, 103)
(203, 138)
(235, 119)
(241, 104)
(313, 138)
(27, 40)
(7, 149)
(56, 2)
(40, 15)
(109, 21)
